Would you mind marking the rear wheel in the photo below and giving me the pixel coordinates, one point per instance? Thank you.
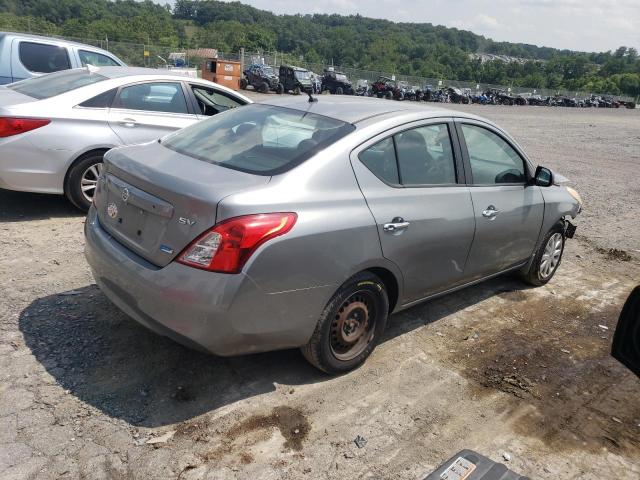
(82, 180)
(547, 258)
(350, 325)
(339, 91)
(280, 89)
(243, 83)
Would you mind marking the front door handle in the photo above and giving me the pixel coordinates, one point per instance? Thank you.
(128, 122)
(490, 212)
(396, 225)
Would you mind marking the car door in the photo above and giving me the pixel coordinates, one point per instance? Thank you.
(413, 182)
(626, 340)
(508, 209)
(148, 110)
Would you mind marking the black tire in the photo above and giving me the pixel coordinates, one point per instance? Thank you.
(322, 351)
(73, 182)
(280, 89)
(534, 276)
(264, 87)
(339, 91)
(388, 95)
(243, 83)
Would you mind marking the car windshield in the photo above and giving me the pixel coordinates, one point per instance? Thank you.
(267, 71)
(47, 86)
(258, 139)
(302, 75)
(341, 77)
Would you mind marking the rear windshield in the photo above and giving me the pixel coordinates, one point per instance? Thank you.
(47, 86)
(258, 139)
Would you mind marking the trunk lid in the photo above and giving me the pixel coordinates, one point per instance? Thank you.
(156, 201)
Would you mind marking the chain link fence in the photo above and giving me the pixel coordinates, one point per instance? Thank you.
(158, 56)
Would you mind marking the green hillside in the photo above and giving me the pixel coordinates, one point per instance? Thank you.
(405, 48)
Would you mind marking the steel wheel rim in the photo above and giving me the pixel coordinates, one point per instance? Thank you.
(551, 255)
(353, 326)
(89, 181)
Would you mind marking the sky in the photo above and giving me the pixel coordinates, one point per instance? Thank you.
(582, 25)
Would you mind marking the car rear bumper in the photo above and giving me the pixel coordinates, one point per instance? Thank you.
(220, 313)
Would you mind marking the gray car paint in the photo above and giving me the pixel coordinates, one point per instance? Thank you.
(277, 299)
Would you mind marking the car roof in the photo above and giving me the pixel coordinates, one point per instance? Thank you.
(50, 39)
(118, 72)
(352, 109)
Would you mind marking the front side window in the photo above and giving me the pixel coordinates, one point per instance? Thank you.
(420, 156)
(96, 59)
(210, 101)
(43, 58)
(493, 160)
(259, 139)
(165, 97)
(57, 83)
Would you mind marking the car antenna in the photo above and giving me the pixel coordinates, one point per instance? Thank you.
(312, 99)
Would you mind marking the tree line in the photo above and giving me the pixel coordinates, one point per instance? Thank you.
(419, 49)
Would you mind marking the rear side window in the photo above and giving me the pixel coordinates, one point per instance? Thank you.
(104, 100)
(381, 160)
(43, 58)
(56, 83)
(420, 156)
(211, 101)
(258, 139)
(165, 97)
(493, 160)
(96, 59)
(425, 156)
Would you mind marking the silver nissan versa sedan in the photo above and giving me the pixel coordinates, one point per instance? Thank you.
(300, 223)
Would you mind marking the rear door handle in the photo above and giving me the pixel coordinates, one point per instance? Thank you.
(129, 122)
(490, 212)
(396, 225)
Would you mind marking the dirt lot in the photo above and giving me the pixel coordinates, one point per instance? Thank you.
(498, 368)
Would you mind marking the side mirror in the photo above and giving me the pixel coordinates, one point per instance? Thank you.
(543, 177)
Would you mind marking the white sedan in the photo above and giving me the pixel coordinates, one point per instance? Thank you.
(55, 129)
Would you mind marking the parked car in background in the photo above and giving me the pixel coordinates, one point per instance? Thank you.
(25, 56)
(54, 129)
(305, 224)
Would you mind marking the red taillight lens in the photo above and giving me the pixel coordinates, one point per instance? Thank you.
(14, 126)
(227, 246)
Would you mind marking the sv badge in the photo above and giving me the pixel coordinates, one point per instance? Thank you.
(186, 221)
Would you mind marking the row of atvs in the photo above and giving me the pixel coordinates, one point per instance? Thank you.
(390, 89)
(297, 80)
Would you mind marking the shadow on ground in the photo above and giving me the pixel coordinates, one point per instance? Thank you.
(21, 206)
(109, 361)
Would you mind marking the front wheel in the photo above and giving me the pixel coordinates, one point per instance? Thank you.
(547, 258)
(350, 326)
(243, 83)
(82, 180)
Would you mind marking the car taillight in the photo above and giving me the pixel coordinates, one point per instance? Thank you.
(13, 126)
(227, 246)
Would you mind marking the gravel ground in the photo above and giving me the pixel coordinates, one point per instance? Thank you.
(508, 371)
